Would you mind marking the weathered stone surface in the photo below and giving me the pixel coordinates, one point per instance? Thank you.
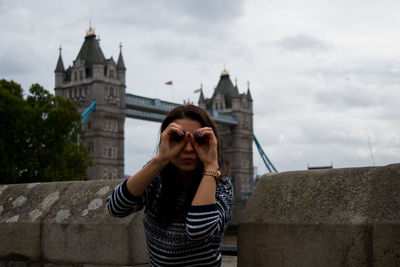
(81, 217)
(67, 222)
(22, 209)
(338, 217)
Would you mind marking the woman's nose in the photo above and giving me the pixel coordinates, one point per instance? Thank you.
(188, 147)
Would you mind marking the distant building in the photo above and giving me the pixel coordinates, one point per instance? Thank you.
(92, 77)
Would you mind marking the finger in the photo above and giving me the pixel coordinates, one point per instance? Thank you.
(173, 130)
(206, 135)
(200, 131)
(174, 127)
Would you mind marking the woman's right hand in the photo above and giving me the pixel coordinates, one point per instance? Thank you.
(173, 139)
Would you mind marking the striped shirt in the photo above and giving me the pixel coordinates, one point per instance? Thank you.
(195, 242)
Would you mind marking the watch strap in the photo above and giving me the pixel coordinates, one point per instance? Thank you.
(215, 174)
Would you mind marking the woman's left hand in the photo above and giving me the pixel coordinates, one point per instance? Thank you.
(205, 144)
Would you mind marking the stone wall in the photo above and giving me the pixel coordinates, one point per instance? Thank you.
(336, 217)
(67, 224)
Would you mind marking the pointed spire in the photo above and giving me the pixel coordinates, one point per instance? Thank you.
(120, 63)
(248, 92)
(202, 100)
(60, 63)
(225, 87)
(224, 73)
(90, 32)
(90, 52)
(235, 89)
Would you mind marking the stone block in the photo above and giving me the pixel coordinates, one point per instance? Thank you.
(22, 209)
(337, 217)
(80, 230)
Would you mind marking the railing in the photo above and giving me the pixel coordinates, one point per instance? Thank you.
(144, 115)
(152, 104)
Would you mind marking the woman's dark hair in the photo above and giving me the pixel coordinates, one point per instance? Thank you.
(167, 210)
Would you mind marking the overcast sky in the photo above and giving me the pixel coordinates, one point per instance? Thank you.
(324, 75)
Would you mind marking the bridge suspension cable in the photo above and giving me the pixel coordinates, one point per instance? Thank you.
(264, 157)
(88, 111)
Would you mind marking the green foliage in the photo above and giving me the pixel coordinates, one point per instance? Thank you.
(38, 137)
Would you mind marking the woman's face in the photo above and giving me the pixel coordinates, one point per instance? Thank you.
(187, 159)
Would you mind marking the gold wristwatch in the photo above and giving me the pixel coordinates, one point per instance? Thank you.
(215, 174)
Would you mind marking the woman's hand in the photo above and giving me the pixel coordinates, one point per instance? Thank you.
(205, 144)
(172, 140)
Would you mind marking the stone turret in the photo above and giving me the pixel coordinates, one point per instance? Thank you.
(121, 65)
(92, 77)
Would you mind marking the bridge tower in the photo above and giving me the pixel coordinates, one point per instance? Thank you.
(236, 140)
(92, 77)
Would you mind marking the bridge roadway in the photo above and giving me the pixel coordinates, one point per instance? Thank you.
(154, 109)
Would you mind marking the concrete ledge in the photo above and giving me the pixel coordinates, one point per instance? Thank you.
(337, 217)
(67, 223)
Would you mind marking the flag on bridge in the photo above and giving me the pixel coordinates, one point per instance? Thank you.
(197, 90)
(169, 83)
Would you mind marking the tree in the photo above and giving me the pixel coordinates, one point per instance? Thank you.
(38, 137)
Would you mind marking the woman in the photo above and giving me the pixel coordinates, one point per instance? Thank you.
(187, 203)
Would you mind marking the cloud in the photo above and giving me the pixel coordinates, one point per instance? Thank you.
(300, 43)
(187, 17)
(13, 64)
(319, 86)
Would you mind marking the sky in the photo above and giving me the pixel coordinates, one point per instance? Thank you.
(324, 75)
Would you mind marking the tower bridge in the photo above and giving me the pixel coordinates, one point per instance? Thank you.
(94, 78)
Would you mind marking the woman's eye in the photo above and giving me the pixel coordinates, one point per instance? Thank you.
(176, 137)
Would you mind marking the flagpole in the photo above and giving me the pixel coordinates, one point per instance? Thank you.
(172, 89)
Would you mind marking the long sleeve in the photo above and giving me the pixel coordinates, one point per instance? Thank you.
(204, 221)
(121, 202)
